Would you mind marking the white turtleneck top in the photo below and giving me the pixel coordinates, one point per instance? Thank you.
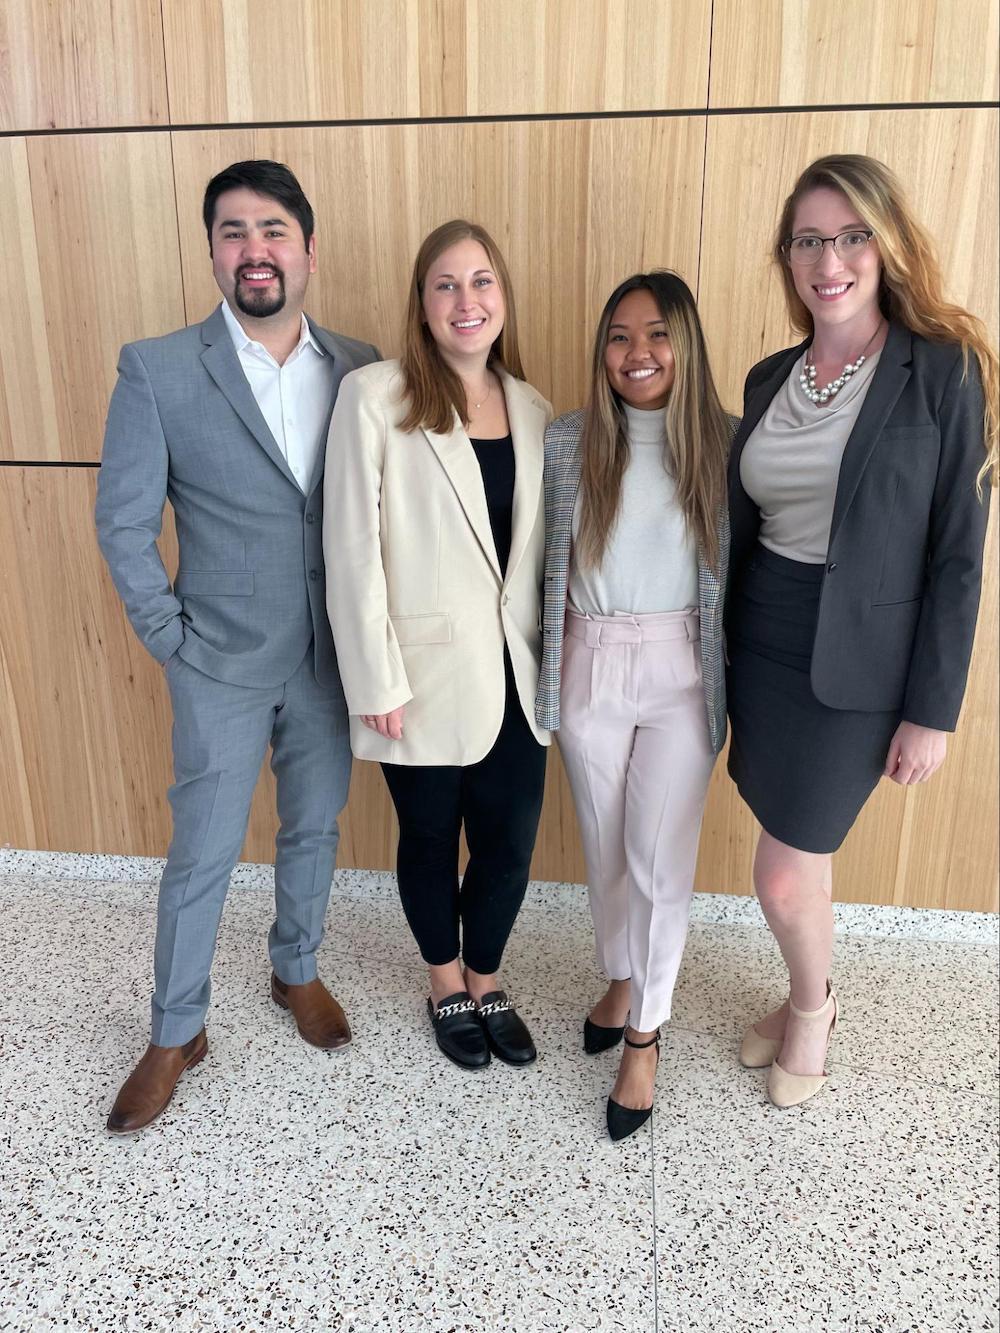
(650, 564)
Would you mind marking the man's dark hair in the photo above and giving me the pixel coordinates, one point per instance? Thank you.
(273, 180)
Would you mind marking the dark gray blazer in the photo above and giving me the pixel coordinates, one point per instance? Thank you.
(898, 604)
(250, 591)
(562, 481)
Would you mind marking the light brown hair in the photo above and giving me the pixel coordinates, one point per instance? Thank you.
(433, 391)
(698, 430)
(911, 289)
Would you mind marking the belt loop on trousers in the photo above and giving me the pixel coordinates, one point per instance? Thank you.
(592, 633)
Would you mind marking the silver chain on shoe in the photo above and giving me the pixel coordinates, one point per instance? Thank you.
(495, 1007)
(459, 1007)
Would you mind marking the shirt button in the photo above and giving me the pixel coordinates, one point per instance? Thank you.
(314, 574)
(830, 568)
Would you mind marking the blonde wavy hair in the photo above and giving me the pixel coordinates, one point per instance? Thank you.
(912, 289)
(698, 431)
(432, 391)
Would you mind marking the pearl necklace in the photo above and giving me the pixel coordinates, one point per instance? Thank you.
(807, 376)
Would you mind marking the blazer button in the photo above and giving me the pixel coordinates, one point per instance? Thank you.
(505, 600)
(831, 567)
(314, 574)
(310, 518)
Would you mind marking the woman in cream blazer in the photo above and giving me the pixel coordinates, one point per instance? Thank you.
(434, 539)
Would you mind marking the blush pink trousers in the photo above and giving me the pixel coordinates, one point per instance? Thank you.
(635, 743)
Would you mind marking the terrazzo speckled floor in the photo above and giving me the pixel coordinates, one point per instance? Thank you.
(383, 1189)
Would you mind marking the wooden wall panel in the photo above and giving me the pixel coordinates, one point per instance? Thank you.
(85, 719)
(84, 709)
(935, 846)
(357, 59)
(81, 65)
(947, 161)
(91, 261)
(378, 190)
(104, 244)
(950, 850)
(27, 388)
(814, 52)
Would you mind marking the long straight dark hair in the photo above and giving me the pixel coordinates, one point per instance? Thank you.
(698, 431)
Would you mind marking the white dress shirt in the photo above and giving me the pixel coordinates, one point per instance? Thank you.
(294, 398)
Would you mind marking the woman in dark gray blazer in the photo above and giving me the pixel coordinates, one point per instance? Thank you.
(858, 521)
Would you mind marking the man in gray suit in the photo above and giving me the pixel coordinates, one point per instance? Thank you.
(228, 420)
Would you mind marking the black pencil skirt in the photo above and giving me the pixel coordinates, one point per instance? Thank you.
(805, 770)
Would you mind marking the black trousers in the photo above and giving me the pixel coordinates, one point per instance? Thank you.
(499, 799)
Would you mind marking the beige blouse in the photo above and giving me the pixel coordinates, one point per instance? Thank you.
(791, 463)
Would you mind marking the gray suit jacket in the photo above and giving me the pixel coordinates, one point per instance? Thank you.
(562, 481)
(250, 590)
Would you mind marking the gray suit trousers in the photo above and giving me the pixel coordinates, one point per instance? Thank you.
(220, 737)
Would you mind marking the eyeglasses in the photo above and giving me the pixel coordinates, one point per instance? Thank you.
(806, 250)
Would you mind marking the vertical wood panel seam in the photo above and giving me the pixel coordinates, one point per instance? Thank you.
(173, 163)
(166, 67)
(177, 225)
(704, 151)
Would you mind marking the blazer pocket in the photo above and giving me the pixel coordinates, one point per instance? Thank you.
(432, 627)
(909, 434)
(210, 557)
(214, 583)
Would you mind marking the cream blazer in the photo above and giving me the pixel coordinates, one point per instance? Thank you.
(419, 609)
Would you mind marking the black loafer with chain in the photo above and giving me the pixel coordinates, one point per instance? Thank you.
(458, 1031)
(506, 1033)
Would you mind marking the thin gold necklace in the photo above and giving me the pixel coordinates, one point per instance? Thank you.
(489, 390)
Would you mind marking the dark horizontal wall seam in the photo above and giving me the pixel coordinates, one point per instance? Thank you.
(33, 462)
(533, 117)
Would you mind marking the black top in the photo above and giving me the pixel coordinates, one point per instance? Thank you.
(496, 462)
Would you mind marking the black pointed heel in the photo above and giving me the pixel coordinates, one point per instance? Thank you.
(597, 1039)
(624, 1120)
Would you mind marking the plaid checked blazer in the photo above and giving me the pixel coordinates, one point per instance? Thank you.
(562, 480)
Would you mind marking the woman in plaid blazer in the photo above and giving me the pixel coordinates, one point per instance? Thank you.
(632, 677)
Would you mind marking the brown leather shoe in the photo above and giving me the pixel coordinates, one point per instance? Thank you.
(148, 1089)
(318, 1017)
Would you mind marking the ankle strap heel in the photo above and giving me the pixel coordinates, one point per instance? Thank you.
(785, 1089)
(623, 1120)
(644, 1045)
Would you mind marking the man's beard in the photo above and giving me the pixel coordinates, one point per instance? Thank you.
(260, 302)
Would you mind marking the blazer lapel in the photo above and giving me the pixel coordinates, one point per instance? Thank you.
(527, 429)
(457, 457)
(339, 371)
(757, 406)
(220, 360)
(329, 346)
(891, 374)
